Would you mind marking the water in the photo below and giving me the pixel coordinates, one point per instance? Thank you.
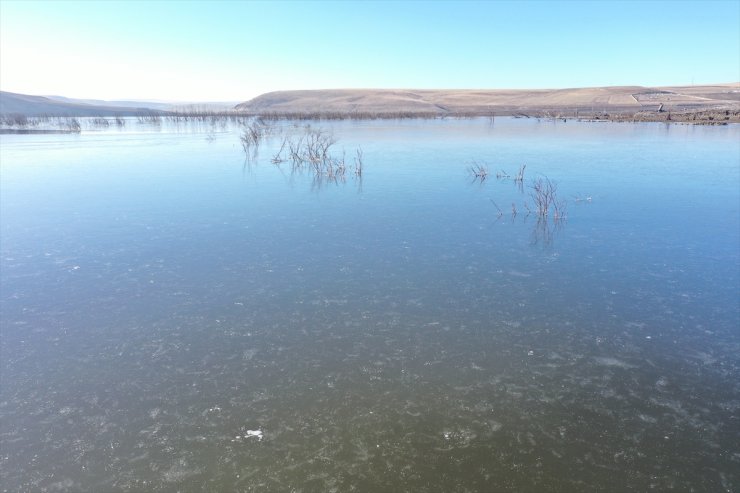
(178, 318)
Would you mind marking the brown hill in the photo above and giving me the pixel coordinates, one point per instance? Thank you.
(501, 101)
(25, 104)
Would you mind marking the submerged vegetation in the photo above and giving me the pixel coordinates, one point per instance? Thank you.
(545, 201)
(350, 115)
(311, 150)
(713, 116)
(544, 195)
(252, 135)
(18, 123)
(541, 201)
(479, 171)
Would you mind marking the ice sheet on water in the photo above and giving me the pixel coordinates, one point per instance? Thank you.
(607, 361)
(254, 433)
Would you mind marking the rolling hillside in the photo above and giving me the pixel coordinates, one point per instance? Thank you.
(39, 105)
(623, 98)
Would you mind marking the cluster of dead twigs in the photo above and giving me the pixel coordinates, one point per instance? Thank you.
(313, 151)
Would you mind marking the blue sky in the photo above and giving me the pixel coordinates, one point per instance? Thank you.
(235, 50)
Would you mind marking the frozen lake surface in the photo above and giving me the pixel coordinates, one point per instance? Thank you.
(176, 317)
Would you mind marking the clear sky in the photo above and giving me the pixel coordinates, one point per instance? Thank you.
(235, 50)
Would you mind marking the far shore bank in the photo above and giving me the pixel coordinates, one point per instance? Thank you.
(709, 104)
(719, 116)
(696, 117)
(10, 124)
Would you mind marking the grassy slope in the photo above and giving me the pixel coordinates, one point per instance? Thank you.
(39, 105)
(623, 98)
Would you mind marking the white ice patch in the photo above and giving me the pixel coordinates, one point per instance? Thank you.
(613, 362)
(249, 434)
(254, 433)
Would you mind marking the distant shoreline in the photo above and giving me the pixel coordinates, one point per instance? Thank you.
(65, 125)
(706, 104)
(697, 117)
(35, 131)
(704, 116)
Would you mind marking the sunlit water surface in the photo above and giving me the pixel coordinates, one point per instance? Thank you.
(178, 318)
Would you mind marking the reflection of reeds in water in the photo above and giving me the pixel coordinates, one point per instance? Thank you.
(252, 135)
(519, 178)
(549, 209)
(50, 124)
(73, 124)
(500, 212)
(15, 120)
(348, 115)
(479, 171)
(278, 157)
(543, 232)
(358, 162)
(150, 118)
(310, 151)
(100, 122)
(543, 194)
(546, 201)
(502, 175)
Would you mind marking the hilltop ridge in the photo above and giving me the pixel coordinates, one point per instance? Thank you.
(24, 104)
(617, 102)
(498, 101)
